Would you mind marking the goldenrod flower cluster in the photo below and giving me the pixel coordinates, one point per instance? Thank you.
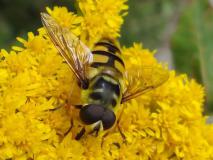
(35, 84)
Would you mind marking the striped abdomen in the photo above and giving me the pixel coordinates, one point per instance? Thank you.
(108, 66)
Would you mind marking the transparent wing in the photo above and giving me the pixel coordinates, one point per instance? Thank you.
(76, 54)
(140, 80)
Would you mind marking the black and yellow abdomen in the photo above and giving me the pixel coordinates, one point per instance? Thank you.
(105, 84)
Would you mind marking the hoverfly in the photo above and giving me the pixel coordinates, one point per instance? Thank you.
(101, 75)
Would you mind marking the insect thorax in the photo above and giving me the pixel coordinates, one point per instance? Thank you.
(104, 90)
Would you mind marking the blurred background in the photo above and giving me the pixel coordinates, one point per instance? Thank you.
(181, 31)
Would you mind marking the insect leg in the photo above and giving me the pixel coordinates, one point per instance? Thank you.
(102, 141)
(80, 134)
(69, 128)
(118, 123)
(122, 134)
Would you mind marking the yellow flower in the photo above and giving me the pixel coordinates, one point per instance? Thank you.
(70, 149)
(132, 54)
(101, 19)
(35, 85)
(66, 19)
(34, 43)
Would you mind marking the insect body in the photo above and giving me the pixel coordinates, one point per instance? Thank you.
(101, 74)
(104, 90)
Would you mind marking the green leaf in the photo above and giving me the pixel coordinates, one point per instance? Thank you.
(192, 45)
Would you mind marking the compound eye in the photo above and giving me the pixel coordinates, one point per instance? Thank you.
(108, 119)
(91, 113)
